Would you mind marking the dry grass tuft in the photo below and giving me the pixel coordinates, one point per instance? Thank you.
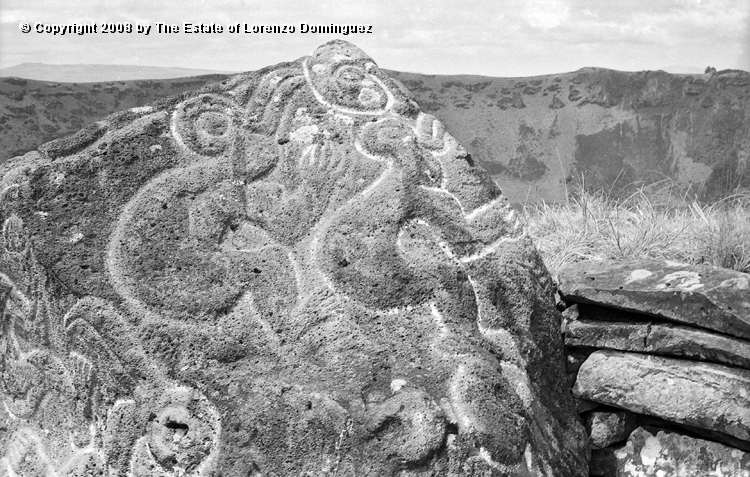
(651, 223)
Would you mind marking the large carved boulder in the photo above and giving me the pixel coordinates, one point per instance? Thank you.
(291, 273)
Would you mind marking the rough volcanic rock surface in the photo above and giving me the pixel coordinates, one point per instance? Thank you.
(703, 296)
(702, 395)
(294, 272)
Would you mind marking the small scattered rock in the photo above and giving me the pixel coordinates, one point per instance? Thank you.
(662, 454)
(513, 101)
(574, 95)
(574, 360)
(607, 428)
(556, 103)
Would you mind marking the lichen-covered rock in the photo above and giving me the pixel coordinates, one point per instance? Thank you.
(294, 272)
(708, 297)
(703, 395)
(662, 453)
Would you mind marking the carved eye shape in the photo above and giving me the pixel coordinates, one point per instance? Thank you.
(203, 124)
(213, 123)
(391, 135)
(351, 74)
(384, 138)
(433, 170)
(351, 87)
(369, 97)
(430, 176)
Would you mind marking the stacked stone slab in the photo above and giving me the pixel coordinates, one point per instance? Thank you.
(658, 355)
(291, 273)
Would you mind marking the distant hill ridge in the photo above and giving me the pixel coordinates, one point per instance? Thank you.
(96, 73)
(91, 73)
(534, 135)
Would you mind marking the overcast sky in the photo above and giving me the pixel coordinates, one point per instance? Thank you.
(494, 38)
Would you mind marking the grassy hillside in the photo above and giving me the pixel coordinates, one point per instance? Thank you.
(652, 222)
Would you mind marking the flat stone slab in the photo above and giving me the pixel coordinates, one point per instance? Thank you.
(667, 454)
(708, 297)
(703, 395)
(658, 338)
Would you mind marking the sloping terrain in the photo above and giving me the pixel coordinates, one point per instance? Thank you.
(613, 128)
(34, 112)
(534, 135)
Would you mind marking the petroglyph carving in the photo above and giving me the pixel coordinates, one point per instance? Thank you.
(26, 456)
(306, 224)
(206, 124)
(14, 234)
(410, 423)
(63, 373)
(182, 436)
(39, 382)
(31, 373)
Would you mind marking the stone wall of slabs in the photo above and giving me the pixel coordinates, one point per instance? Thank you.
(658, 359)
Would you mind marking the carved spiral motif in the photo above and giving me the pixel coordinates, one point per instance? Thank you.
(204, 124)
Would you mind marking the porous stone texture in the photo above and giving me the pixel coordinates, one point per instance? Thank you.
(702, 395)
(292, 273)
(650, 453)
(707, 297)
